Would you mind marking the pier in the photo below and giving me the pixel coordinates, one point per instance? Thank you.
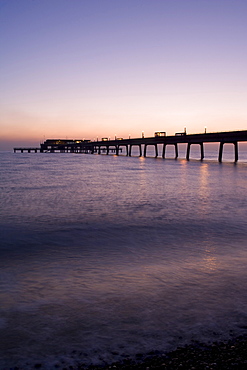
(116, 145)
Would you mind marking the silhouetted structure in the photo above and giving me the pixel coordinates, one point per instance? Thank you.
(115, 146)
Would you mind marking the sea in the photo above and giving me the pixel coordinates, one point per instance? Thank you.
(105, 258)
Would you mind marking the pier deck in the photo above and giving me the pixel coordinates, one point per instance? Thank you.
(28, 150)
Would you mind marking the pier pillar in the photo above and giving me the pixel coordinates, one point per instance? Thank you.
(156, 150)
(188, 152)
(221, 151)
(99, 149)
(236, 150)
(145, 150)
(176, 150)
(117, 149)
(130, 150)
(127, 150)
(140, 150)
(107, 149)
(164, 151)
(202, 151)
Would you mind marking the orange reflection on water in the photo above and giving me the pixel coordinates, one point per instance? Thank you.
(203, 189)
(210, 262)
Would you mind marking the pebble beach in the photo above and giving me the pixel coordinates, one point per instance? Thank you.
(223, 355)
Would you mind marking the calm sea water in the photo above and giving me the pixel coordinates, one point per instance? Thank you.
(104, 257)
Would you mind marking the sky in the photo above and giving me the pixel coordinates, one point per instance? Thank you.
(86, 69)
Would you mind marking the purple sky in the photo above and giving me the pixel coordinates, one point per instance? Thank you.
(88, 69)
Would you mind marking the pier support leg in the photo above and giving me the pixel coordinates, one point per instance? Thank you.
(202, 151)
(107, 150)
(221, 151)
(140, 150)
(127, 150)
(99, 150)
(164, 151)
(145, 150)
(176, 150)
(188, 152)
(156, 151)
(130, 151)
(117, 149)
(236, 150)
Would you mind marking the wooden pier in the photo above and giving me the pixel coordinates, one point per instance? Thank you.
(116, 146)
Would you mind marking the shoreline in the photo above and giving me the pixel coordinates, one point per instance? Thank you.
(231, 354)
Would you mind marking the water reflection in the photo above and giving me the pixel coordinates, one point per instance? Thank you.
(210, 261)
(203, 188)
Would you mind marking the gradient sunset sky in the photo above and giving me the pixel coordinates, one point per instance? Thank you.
(100, 68)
